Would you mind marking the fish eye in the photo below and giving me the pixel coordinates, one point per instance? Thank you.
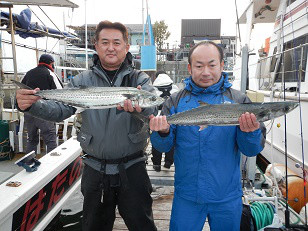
(154, 98)
(287, 108)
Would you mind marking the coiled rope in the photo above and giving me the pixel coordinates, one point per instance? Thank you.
(263, 213)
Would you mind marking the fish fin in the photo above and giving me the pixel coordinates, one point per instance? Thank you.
(202, 127)
(203, 103)
(79, 109)
(21, 85)
(128, 96)
(143, 118)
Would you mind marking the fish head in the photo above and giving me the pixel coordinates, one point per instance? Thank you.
(277, 109)
(290, 106)
(149, 100)
(284, 107)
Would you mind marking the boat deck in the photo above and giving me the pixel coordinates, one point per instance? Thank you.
(162, 198)
(162, 203)
(72, 210)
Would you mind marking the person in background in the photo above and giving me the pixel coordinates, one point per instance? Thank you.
(165, 88)
(44, 78)
(207, 162)
(115, 172)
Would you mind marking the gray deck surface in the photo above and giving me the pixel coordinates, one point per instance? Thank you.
(162, 195)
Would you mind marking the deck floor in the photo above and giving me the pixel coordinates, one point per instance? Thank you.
(162, 195)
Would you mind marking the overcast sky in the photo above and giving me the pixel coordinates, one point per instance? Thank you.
(130, 11)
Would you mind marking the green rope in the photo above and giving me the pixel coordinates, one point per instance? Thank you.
(263, 213)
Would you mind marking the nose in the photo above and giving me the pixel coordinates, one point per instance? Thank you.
(206, 71)
(110, 46)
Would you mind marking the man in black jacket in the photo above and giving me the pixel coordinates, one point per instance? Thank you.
(44, 78)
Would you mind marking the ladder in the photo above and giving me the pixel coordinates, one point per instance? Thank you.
(12, 32)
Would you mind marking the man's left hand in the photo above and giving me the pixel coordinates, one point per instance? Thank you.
(128, 106)
(248, 122)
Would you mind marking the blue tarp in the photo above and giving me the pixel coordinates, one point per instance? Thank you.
(23, 21)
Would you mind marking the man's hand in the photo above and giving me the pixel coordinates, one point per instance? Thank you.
(128, 106)
(248, 122)
(159, 124)
(25, 98)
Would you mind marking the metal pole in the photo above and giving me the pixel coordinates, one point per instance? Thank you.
(143, 22)
(86, 34)
(13, 43)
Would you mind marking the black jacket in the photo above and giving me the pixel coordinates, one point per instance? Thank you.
(39, 77)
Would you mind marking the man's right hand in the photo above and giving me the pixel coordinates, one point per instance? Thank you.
(159, 124)
(25, 98)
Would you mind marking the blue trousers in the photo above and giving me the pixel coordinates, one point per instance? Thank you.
(188, 215)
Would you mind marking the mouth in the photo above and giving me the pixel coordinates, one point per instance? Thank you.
(205, 80)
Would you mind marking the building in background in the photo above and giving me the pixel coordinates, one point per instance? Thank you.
(193, 30)
(173, 61)
(134, 33)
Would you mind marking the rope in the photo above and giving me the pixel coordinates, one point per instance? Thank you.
(263, 213)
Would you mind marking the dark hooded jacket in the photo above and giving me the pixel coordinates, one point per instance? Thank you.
(105, 133)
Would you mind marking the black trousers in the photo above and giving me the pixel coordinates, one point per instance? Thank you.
(134, 203)
(157, 156)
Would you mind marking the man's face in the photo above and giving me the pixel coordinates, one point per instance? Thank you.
(111, 48)
(205, 67)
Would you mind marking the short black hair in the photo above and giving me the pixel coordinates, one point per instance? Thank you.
(220, 51)
(111, 25)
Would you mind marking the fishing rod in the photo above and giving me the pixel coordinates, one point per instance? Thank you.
(287, 211)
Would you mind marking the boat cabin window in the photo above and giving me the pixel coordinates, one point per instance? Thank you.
(292, 60)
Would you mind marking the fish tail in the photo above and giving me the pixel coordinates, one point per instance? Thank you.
(21, 85)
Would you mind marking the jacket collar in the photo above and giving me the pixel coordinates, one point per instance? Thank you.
(46, 65)
(221, 86)
(127, 61)
(125, 68)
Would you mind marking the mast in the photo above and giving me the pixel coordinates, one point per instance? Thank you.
(86, 34)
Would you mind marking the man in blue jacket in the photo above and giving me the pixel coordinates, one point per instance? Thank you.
(207, 163)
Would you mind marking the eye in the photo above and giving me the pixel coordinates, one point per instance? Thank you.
(154, 98)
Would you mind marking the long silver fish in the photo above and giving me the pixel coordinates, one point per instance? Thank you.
(99, 97)
(228, 114)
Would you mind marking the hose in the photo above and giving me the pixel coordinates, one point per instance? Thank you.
(263, 213)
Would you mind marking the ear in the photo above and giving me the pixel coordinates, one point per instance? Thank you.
(127, 47)
(189, 69)
(222, 65)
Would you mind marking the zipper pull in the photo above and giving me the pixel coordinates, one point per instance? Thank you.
(102, 198)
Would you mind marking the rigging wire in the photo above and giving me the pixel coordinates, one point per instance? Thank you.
(238, 24)
(52, 22)
(298, 70)
(287, 212)
(36, 15)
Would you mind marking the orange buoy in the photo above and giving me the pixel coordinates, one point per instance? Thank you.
(296, 197)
